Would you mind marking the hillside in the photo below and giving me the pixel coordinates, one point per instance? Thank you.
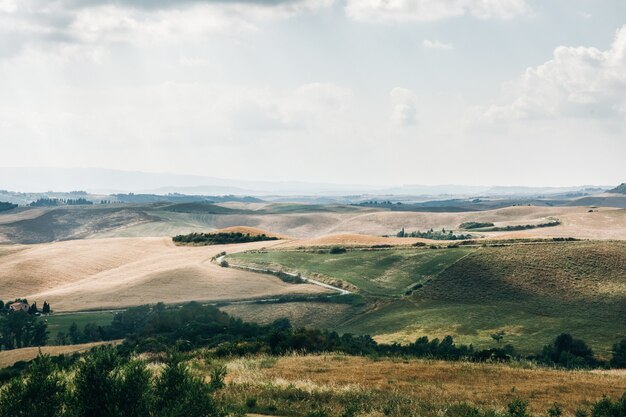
(530, 291)
(620, 189)
(109, 273)
(300, 221)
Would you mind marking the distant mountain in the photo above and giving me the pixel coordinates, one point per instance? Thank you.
(110, 181)
(620, 189)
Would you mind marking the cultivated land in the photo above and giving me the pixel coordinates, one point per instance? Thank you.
(531, 291)
(10, 357)
(112, 273)
(302, 222)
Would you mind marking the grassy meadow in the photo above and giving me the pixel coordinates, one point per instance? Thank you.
(62, 322)
(532, 292)
(294, 385)
(384, 273)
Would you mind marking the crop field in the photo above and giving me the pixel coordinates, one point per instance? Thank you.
(387, 272)
(530, 292)
(114, 273)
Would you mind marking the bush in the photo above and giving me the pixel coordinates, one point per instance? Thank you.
(619, 355)
(337, 249)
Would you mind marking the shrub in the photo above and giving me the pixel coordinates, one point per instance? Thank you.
(337, 249)
(619, 355)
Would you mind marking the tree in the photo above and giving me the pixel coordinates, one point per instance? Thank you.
(95, 391)
(619, 355)
(498, 336)
(178, 393)
(46, 308)
(33, 309)
(41, 394)
(75, 334)
(132, 392)
(19, 329)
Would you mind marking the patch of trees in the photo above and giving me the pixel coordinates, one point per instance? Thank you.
(53, 202)
(107, 384)
(568, 352)
(475, 225)
(19, 329)
(443, 234)
(5, 206)
(157, 328)
(518, 227)
(220, 238)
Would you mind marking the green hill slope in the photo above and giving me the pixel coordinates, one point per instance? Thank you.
(532, 292)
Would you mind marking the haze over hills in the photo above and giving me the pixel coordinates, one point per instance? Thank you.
(107, 181)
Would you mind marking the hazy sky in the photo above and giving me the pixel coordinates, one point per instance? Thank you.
(347, 91)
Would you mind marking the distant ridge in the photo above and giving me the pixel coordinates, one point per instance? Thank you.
(620, 189)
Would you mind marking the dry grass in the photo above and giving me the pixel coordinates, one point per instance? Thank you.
(9, 357)
(434, 382)
(110, 273)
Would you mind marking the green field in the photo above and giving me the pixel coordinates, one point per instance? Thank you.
(385, 273)
(62, 322)
(532, 292)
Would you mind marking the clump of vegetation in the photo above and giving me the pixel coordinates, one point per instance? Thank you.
(434, 235)
(4, 206)
(220, 238)
(568, 352)
(336, 250)
(19, 326)
(475, 225)
(53, 202)
(518, 227)
(106, 383)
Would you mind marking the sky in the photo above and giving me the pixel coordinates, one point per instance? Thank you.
(490, 92)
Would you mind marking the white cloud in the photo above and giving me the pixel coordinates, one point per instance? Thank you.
(404, 107)
(576, 82)
(43, 24)
(428, 44)
(431, 10)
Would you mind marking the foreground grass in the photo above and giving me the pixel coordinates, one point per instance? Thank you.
(294, 385)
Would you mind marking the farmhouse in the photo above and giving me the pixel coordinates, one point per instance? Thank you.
(19, 306)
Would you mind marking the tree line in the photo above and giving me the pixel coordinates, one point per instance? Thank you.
(157, 328)
(5, 206)
(53, 202)
(220, 238)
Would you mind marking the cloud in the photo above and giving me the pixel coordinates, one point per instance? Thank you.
(428, 44)
(432, 10)
(404, 107)
(47, 24)
(577, 82)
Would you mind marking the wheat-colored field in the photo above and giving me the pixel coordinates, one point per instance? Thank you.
(436, 383)
(602, 223)
(119, 272)
(9, 357)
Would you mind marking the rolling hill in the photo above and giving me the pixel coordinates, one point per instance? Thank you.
(113, 273)
(532, 292)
